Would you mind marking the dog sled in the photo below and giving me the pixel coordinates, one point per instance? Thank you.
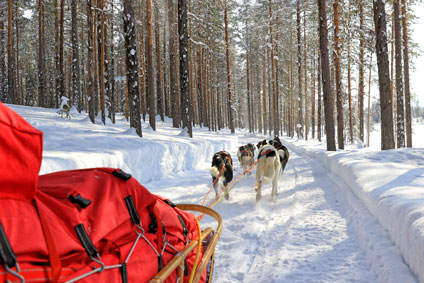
(91, 225)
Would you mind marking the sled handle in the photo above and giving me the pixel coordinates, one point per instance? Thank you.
(178, 259)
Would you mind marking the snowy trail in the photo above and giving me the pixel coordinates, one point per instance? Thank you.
(305, 235)
(320, 229)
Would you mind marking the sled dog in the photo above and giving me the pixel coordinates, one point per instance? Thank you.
(221, 171)
(246, 155)
(267, 170)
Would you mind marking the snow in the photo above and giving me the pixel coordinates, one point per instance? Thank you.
(355, 215)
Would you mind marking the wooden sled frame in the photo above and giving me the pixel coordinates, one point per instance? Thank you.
(209, 252)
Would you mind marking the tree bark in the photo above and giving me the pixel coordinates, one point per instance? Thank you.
(400, 114)
(150, 71)
(3, 77)
(406, 77)
(76, 89)
(349, 88)
(264, 116)
(319, 114)
(325, 68)
(41, 58)
(132, 68)
(54, 100)
(101, 36)
(62, 51)
(387, 136)
(273, 79)
(313, 102)
(361, 71)
(11, 74)
(340, 123)
(184, 67)
(172, 67)
(299, 129)
(229, 83)
(305, 64)
(90, 62)
(159, 89)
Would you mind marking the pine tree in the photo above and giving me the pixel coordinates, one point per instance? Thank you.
(387, 136)
(76, 90)
(325, 69)
(406, 77)
(184, 67)
(42, 82)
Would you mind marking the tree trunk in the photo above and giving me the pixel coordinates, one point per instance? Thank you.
(62, 51)
(19, 86)
(264, 116)
(305, 64)
(172, 67)
(90, 62)
(249, 102)
(313, 98)
(349, 88)
(340, 123)
(387, 136)
(101, 36)
(325, 66)
(199, 89)
(150, 72)
(299, 128)
(369, 104)
(41, 58)
(361, 71)
(159, 89)
(3, 77)
(400, 114)
(112, 69)
(11, 80)
(184, 67)
(406, 77)
(229, 83)
(273, 79)
(319, 114)
(54, 100)
(132, 68)
(76, 89)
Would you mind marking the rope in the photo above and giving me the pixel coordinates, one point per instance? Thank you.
(219, 175)
(225, 191)
(199, 245)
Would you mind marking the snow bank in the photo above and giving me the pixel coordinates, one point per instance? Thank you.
(77, 144)
(391, 185)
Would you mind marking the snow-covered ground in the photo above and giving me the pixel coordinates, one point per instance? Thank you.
(348, 216)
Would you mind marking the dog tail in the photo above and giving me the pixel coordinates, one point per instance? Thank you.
(214, 171)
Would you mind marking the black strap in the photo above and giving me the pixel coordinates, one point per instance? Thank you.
(160, 262)
(185, 230)
(78, 199)
(170, 203)
(7, 255)
(132, 210)
(121, 175)
(85, 240)
(124, 273)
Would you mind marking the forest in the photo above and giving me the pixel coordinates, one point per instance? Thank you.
(304, 68)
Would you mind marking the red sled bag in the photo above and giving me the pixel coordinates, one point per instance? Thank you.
(90, 225)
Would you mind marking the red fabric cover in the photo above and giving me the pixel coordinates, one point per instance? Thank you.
(21, 149)
(107, 222)
(106, 219)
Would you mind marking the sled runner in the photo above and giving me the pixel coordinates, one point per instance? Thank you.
(91, 225)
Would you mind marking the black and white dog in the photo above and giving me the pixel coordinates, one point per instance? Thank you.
(221, 171)
(268, 169)
(282, 151)
(246, 156)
